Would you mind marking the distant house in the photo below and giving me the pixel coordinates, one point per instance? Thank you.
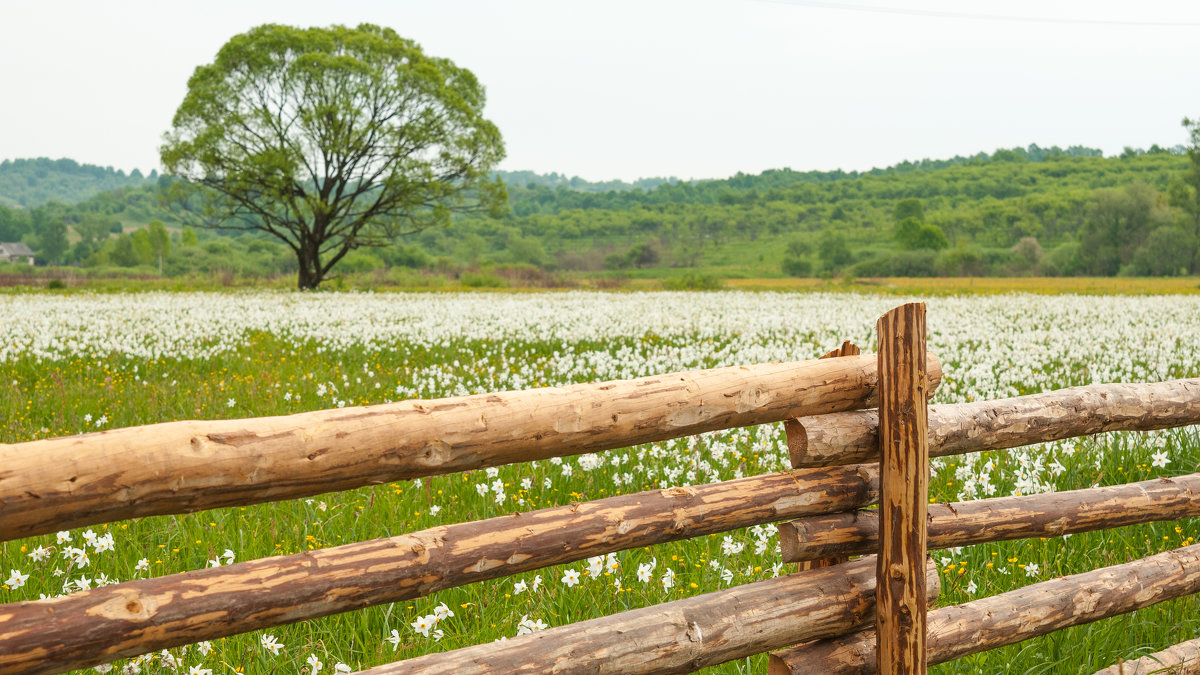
(15, 252)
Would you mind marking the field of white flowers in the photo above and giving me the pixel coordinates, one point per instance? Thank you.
(75, 363)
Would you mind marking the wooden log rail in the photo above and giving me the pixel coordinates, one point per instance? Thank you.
(131, 618)
(1002, 519)
(180, 467)
(1180, 659)
(955, 429)
(1015, 616)
(684, 635)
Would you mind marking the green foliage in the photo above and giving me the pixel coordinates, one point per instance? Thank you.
(907, 233)
(793, 266)
(931, 237)
(33, 182)
(962, 261)
(1168, 251)
(897, 264)
(644, 254)
(909, 208)
(832, 250)
(1067, 259)
(188, 237)
(362, 138)
(1118, 222)
(481, 279)
(1091, 215)
(694, 281)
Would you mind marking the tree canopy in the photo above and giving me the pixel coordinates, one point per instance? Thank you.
(331, 139)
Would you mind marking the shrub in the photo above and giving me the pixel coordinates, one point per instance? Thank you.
(694, 281)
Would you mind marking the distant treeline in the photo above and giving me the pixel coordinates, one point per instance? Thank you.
(1020, 211)
(33, 182)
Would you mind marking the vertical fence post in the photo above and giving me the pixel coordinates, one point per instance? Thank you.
(904, 491)
(848, 348)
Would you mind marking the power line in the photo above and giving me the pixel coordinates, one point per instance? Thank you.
(939, 14)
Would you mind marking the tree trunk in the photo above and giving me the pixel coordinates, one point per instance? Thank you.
(309, 260)
(1016, 616)
(681, 636)
(180, 467)
(1003, 518)
(851, 437)
(903, 491)
(146, 615)
(1180, 659)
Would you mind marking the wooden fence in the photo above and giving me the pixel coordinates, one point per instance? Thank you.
(835, 446)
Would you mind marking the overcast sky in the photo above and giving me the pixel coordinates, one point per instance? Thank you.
(694, 89)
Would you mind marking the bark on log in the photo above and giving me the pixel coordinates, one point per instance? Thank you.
(903, 491)
(848, 348)
(1003, 518)
(1016, 616)
(680, 636)
(955, 429)
(179, 467)
(136, 617)
(1180, 659)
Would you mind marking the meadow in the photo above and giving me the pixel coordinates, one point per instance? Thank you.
(79, 362)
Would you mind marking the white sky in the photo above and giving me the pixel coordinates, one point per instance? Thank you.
(690, 88)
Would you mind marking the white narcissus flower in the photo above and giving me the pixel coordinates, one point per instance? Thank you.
(16, 579)
(424, 624)
(570, 578)
(314, 664)
(668, 578)
(270, 644)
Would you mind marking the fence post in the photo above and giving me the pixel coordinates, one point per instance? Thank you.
(848, 348)
(904, 491)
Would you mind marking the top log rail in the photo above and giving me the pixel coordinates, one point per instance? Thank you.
(960, 428)
(180, 467)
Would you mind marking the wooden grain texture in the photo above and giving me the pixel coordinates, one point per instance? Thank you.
(1002, 518)
(848, 348)
(680, 636)
(180, 467)
(136, 617)
(1015, 616)
(955, 429)
(903, 491)
(1180, 659)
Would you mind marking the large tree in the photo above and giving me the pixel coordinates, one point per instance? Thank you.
(331, 139)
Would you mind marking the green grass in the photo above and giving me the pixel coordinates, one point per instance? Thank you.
(42, 398)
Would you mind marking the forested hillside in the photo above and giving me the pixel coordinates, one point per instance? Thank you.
(1024, 211)
(32, 182)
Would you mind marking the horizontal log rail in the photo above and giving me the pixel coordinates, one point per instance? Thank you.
(684, 635)
(955, 429)
(1052, 514)
(180, 467)
(1015, 616)
(131, 618)
(1180, 659)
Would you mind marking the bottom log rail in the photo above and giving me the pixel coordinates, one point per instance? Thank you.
(1002, 519)
(136, 617)
(1180, 659)
(684, 635)
(1015, 616)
